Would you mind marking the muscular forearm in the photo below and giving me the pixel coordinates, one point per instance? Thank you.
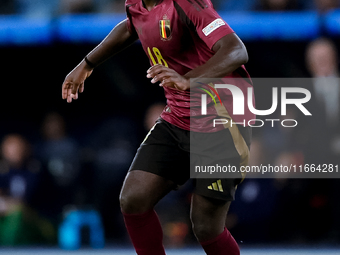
(118, 39)
(230, 55)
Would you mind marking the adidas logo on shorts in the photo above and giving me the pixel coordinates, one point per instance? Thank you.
(217, 186)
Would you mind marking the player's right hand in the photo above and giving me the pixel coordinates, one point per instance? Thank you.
(74, 82)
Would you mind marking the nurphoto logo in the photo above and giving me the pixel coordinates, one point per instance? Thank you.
(239, 104)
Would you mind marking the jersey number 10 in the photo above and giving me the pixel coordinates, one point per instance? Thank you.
(158, 55)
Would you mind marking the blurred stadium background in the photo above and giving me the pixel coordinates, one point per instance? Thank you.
(59, 158)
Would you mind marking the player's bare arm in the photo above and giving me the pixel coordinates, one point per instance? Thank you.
(168, 77)
(118, 39)
(230, 54)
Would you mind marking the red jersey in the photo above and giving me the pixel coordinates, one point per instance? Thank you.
(180, 34)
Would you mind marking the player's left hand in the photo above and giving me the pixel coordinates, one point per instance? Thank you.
(168, 77)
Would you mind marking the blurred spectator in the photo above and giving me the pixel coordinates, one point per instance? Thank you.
(19, 172)
(326, 5)
(278, 5)
(323, 147)
(37, 8)
(19, 176)
(114, 145)
(77, 6)
(278, 138)
(110, 6)
(111, 149)
(59, 151)
(324, 132)
(322, 58)
(59, 154)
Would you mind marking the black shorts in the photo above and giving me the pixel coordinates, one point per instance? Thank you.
(165, 152)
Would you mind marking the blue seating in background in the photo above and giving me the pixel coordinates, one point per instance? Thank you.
(92, 28)
(70, 229)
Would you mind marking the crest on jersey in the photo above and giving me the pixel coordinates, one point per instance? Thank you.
(165, 29)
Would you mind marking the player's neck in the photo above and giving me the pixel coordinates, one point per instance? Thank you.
(150, 4)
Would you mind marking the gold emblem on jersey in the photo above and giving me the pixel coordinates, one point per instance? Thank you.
(165, 29)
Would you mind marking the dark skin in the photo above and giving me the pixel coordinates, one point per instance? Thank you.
(142, 190)
(117, 40)
(230, 54)
(149, 4)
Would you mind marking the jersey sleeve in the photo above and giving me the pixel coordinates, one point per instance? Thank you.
(129, 23)
(209, 25)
